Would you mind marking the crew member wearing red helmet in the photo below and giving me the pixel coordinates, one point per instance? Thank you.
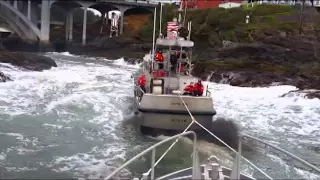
(159, 58)
(198, 88)
(142, 82)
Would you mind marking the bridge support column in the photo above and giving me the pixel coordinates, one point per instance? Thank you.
(29, 10)
(15, 4)
(122, 10)
(45, 22)
(84, 26)
(69, 26)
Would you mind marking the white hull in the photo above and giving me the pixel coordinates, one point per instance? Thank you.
(173, 121)
(172, 104)
(168, 112)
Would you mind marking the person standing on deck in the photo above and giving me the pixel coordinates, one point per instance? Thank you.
(142, 82)
(173, 61)
(198, 88)
(159, 58)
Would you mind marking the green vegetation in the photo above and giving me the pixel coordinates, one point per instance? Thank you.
(216, 24)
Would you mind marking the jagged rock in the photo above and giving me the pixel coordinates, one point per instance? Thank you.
(133, 60)
(112, 48)
(289, 60)
(311, 94)
(4, 78)
(30, 61)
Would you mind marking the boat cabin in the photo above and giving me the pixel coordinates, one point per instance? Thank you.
(172, 74)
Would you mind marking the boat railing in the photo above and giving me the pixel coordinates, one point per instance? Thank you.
(195, 171)
(238, 154)
(247, 137)
(208, 93)
(272, 148)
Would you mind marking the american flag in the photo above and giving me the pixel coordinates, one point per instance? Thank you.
(172, 26)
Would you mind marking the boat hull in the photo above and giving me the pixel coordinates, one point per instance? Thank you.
(173, 121)
(167, 112)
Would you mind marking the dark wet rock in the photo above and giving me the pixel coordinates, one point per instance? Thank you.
(288, 60)
(30, 61)
(15, 43)
(112, 48)
(133, 60)
(4, 78)
(311, 94)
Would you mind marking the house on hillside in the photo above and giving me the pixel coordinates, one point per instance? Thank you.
(229, 5)
(165, 1)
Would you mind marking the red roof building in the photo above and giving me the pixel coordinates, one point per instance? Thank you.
(201, 4)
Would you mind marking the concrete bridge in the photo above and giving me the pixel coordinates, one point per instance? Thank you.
(22, 15)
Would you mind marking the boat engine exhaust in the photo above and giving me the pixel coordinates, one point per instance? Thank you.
(227, 130)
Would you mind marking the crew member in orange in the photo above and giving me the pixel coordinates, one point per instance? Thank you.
(159, 58)
(198, 88)
(189, 90)
(142, 82)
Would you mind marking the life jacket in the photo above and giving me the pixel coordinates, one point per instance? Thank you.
(199, 88)
(189, 88)
(142, 80)
(159, 57)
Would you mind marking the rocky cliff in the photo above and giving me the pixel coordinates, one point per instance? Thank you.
(273, 47)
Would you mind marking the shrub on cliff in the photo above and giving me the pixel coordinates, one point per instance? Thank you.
(216, 24)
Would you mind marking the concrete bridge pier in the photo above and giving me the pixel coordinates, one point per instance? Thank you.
(45, 22)
(69, 25)
(84, 24)
(122, 10)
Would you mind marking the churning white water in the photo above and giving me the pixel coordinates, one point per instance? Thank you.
(70, 121)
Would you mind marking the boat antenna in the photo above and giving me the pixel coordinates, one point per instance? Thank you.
(179, 15)
(160, 18)
(185, 11)
(154, 34)
(189, 29)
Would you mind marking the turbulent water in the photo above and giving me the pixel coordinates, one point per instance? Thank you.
(76, 120)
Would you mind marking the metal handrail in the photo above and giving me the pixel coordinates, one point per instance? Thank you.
(314, 168)
(266, 175)
(153, 148)
(208, 93)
